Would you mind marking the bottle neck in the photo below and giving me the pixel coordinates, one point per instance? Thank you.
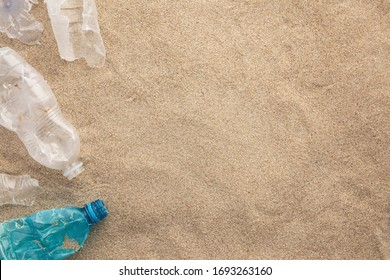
(95, 211)
(88, 217)
(73, 170)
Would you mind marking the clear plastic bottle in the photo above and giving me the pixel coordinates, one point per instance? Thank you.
(29, 108)
(18, 190)
(17, 22)
(76, 29)
(50, 234)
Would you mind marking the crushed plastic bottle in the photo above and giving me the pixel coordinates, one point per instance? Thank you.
(18, 190)
(29, 108)
(76, 29)
(17, 22)
(51, 234)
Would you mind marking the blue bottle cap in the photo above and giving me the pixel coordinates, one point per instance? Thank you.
(96, 211)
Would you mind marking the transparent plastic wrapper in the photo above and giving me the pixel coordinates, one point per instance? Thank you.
(17, 22)
(29, 108)
(50, 234)
(18, 190)
(76, 29)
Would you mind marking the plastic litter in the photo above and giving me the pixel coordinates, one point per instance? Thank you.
(29, 108)
(51, 234)
(18, 190)
(76, 29)
(17, 22)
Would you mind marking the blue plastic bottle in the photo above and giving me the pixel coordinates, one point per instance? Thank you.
(51, 234)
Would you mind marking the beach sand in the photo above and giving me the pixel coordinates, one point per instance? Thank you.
(225, 129)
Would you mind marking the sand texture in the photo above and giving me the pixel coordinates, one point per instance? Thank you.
(225, 129)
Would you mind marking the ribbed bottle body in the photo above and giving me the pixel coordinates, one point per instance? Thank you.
(29, 107)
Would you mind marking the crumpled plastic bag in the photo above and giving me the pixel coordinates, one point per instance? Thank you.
(18, 190)
(17, 22)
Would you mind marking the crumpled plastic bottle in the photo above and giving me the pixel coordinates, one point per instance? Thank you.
(17, 22)
(29, 108)
(18, 190)
(76, 29)
(50, 234)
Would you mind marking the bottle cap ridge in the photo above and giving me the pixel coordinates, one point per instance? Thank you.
(96, 210)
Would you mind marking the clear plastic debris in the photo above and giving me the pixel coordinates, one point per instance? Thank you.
(76, 29)
(17, 22)
(18, 190)
(29, 108)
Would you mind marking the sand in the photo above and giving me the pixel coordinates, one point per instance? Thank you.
(225, 130)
